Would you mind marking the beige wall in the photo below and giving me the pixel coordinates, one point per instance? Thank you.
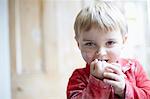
(43, 50)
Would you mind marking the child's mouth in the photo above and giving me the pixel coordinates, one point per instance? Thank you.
(106, 60)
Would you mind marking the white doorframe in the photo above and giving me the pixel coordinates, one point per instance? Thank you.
(148, 8)
(5, 80)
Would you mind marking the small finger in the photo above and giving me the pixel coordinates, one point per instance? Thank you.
(111, 76)
(109, 70)
(115, 68)
(111, 82)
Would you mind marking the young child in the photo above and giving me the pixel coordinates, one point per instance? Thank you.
(101, 32)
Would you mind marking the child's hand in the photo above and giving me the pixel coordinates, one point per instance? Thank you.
(97, 69)
(114, 76)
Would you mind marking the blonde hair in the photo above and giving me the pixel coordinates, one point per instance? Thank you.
(102, 15)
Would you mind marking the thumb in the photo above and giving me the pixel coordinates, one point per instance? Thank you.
(92, 65)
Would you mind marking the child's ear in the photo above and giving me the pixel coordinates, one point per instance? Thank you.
(77, 40)
(125, 39)
(78, 43)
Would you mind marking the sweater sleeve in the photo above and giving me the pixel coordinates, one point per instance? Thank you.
(81, 88)
(141, 88)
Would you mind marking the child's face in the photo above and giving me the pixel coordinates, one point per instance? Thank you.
(101, 45)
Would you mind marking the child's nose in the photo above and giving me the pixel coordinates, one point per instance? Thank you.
(101, 51)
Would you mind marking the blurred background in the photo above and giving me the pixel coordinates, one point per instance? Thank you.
(38, 52)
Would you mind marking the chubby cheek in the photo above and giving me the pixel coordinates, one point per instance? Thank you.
(88, 56)
(114, 54)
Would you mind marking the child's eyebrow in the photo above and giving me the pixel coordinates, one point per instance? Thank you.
(86, 40)
(111, 39)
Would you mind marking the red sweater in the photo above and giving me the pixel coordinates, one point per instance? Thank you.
(82, 85)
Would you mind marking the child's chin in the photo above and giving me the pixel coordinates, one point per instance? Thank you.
(89, 62)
